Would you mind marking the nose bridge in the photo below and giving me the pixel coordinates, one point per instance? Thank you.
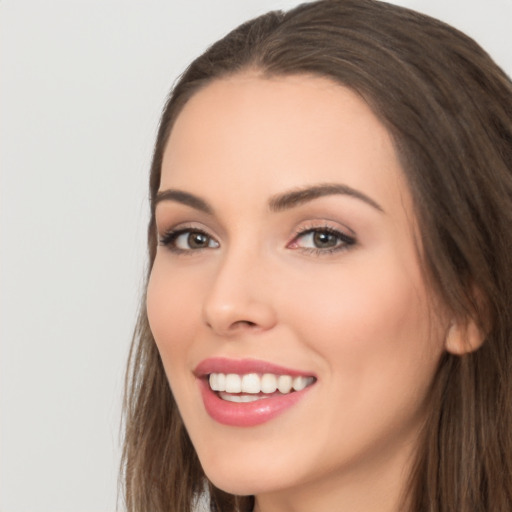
(239, 297)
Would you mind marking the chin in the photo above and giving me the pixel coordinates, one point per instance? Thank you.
(243, 482)
(234, 484)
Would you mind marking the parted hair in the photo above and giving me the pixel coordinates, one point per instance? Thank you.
(448, 108)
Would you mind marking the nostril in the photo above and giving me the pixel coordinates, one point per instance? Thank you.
(244, 323)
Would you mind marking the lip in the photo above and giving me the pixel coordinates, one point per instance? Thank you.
(248, 414)
(243, 366)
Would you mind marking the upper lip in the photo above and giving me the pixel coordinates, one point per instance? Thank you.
(244, 366)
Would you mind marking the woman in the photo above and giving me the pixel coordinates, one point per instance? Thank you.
(327, 320)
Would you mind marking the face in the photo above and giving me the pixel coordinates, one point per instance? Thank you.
(288, 257)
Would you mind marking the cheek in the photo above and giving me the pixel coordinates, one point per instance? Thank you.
(372, 327)
(172, 302)
(372, 333)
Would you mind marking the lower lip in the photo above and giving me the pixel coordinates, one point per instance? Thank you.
(248, 414)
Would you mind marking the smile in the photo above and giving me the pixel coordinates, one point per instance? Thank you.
(255, 384)
(246, 393)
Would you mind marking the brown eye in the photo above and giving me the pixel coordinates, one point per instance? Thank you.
(197, 240)
(324, 240)
(188, 240)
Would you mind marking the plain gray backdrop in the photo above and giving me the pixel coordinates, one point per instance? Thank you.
(82, 85)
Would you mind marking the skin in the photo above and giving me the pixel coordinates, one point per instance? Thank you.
(361, 318)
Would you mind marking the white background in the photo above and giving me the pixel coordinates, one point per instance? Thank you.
(82, 85)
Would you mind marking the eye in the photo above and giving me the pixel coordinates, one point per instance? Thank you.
(322, 240)
(188, 239)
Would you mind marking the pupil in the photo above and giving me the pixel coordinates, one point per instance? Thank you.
(197, 240)
(323, 239)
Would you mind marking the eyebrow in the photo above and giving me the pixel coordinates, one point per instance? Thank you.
(179, 196)
(276, 203)
(297, 197)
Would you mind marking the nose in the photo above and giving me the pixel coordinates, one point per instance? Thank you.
(240, 297)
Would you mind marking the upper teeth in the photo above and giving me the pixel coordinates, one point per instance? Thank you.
(256, 383)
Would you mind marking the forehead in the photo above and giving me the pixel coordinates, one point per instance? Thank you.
(258, 134)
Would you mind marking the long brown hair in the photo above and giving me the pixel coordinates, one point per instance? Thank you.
(448, 107)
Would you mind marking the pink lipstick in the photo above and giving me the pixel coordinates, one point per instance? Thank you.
(247, 392)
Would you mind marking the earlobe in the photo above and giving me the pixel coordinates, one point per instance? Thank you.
(463, 337)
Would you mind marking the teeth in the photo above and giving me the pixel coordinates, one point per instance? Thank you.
(284, 383)
(300, 383)
(233, 383)
(241, 398)
(253, 384)
(218, 381)
(268, 383)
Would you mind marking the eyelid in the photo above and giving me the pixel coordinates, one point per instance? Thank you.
(166, 227)
(318, 224)
(171, 234)
(342, 233)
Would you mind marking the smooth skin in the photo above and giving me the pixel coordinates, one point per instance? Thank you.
(242, 279)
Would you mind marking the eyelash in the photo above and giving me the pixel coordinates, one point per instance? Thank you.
(343, 244)
(344, 241)
(169, 239)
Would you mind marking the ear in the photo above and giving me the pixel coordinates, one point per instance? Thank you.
(464, 337)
